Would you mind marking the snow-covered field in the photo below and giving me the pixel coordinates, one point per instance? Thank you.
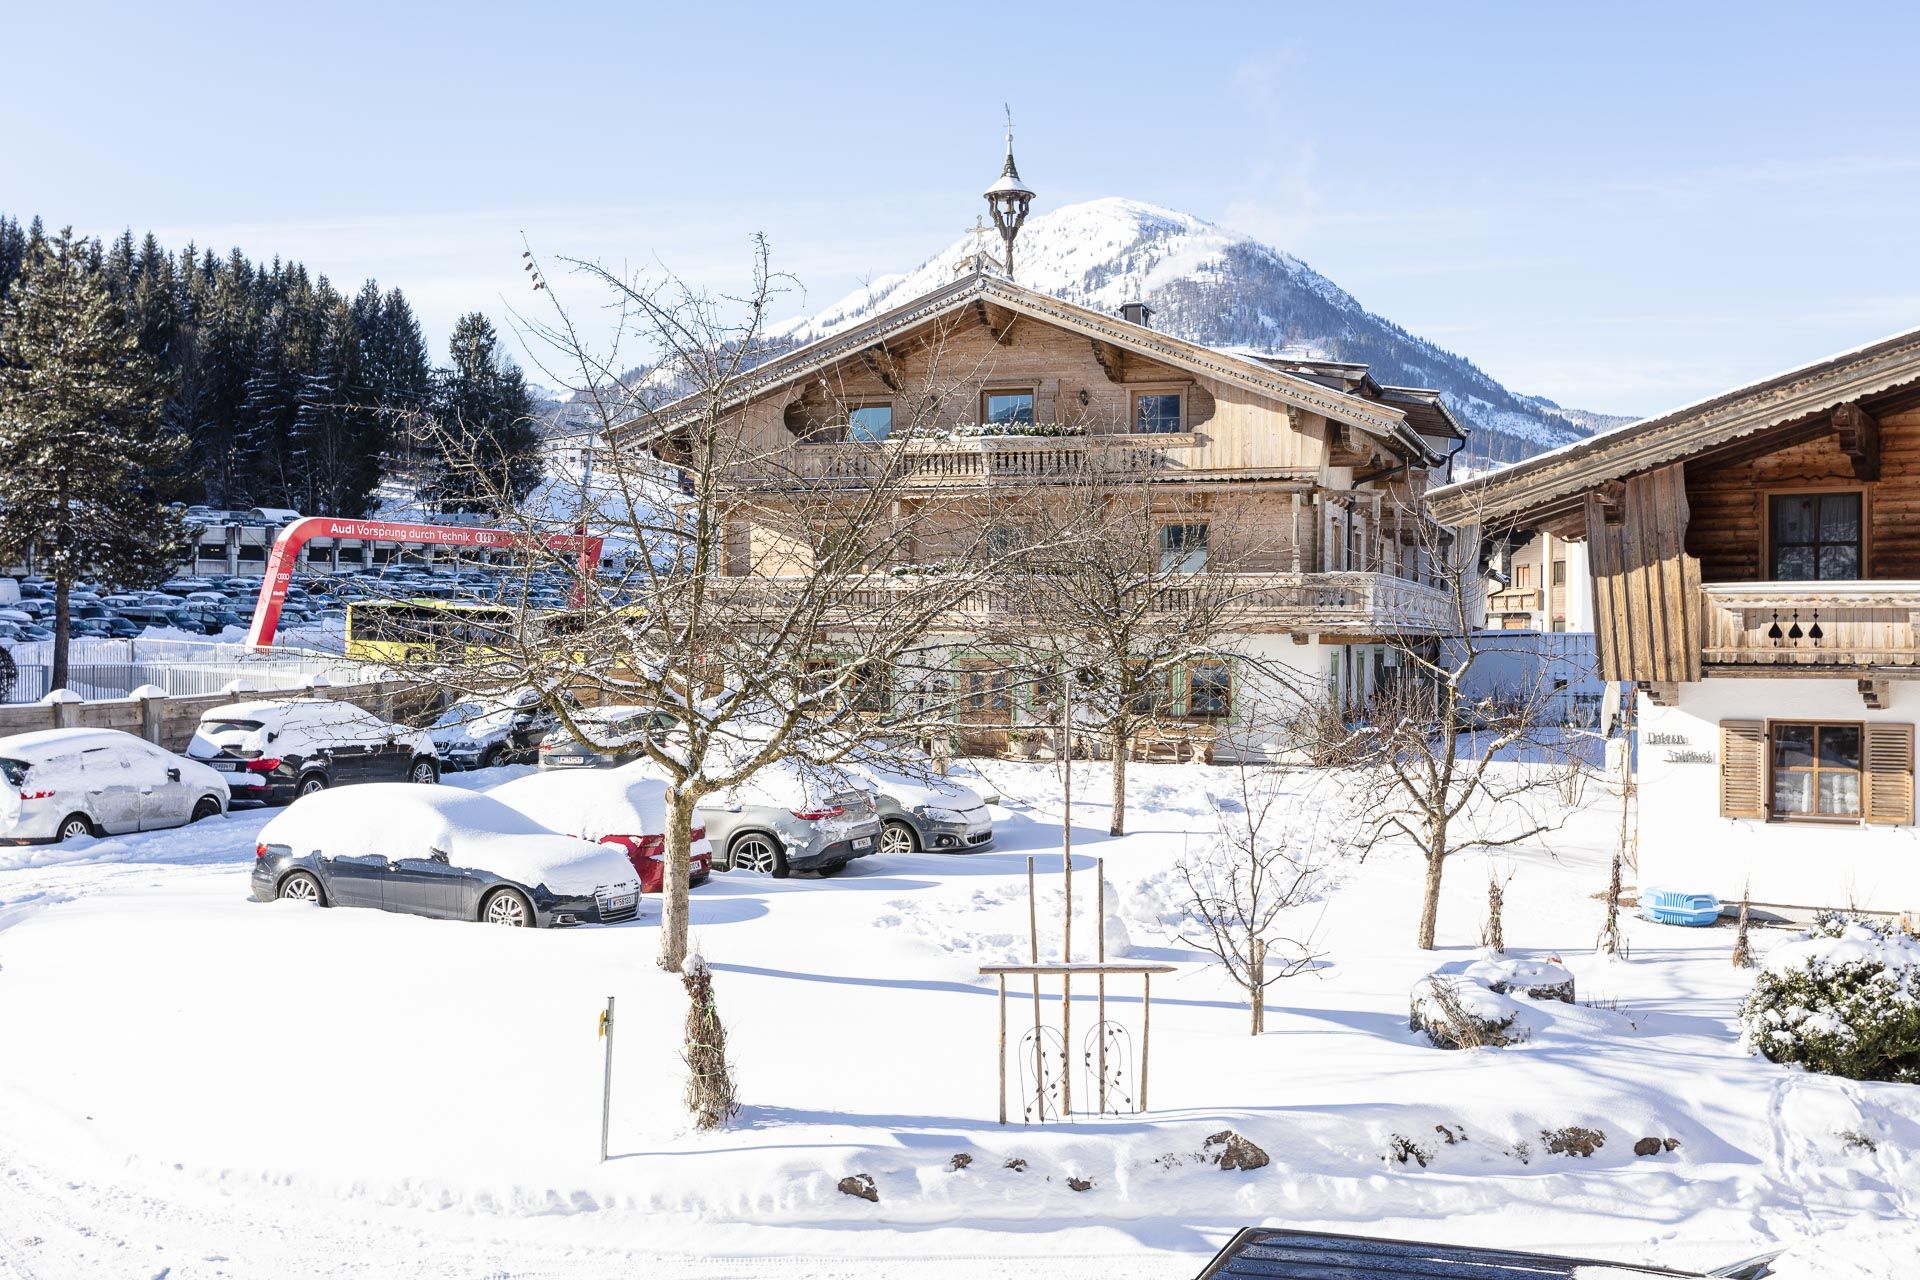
(194, 1084)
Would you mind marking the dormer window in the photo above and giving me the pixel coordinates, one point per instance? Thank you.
(1007, 407)
(1157, 412)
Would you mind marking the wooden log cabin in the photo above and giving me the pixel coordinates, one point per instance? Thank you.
(1754, 561)
(983, 386)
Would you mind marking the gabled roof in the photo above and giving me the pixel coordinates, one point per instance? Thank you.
(1554, 482)
(1377, 417)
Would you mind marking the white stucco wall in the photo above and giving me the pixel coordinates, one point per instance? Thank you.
(1686, 844)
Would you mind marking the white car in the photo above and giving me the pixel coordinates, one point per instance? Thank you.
(624, 806)
(439, 852)
(63, 784)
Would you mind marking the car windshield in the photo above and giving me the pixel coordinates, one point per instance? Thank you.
(459, 713)
(229, 726)
(14, 771)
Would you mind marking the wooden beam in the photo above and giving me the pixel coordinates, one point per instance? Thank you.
(996, 320)
(1661, 693)
(1875, 693)
(1858, 433)
(879, 362)
(1113, 361)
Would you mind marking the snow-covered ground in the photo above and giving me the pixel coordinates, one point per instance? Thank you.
(194, 1084)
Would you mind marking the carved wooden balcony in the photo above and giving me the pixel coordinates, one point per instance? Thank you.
(1812, 625)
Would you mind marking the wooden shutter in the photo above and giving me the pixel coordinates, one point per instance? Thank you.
(1889, 767)
(1743, 769)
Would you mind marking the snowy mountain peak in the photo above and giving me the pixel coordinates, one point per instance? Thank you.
(1215, 286)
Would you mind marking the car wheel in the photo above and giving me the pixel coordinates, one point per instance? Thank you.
(311, 783)
(755, 852)
(205, 807)
(493, 757)
(508, 907)
(74, 827)
(301, 887)
(898, 837)
(423, 773)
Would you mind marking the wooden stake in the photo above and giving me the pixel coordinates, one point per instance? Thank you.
(1003, 1048)
(1033, 957)
(606, 1079)
(1066, 935)
(1100, 874)
(1146, 1033)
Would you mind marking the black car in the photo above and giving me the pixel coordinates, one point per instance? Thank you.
(480, 733)
(1276, 1253)
(277, 749)
(440, 852)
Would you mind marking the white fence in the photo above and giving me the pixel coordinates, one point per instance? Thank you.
(184, 668)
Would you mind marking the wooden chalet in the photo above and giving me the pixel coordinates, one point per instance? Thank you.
(1755, 570)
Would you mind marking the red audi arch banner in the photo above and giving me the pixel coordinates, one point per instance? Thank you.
(287, 547)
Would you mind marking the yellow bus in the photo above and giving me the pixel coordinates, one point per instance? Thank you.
(398, 633)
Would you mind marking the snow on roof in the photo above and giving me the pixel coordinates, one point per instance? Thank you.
(45, 739)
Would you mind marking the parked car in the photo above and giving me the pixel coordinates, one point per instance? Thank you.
(920, 811)
(432, 852)
(789, 817)
(278, 749)
(620, 733)
(62, 784)
(480, 733)
(1281, 1253)
(624, 807)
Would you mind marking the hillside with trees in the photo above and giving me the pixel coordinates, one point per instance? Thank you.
(287, 391)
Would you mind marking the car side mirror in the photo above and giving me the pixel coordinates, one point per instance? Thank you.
(438, 855)
(273, 735)
(173, 775)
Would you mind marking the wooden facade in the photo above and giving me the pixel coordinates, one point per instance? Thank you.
(1311, 476)
(1688, 582)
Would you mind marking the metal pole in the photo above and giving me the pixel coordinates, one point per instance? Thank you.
(1066, 937)
(606, 1079)
(1100, 874)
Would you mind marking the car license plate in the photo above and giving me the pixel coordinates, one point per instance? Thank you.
(225, 766)
(863, 842)
(620, 902)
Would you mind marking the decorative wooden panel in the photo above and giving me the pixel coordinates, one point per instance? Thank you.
(1889, 762)
(1646, 587)
(1743, 769)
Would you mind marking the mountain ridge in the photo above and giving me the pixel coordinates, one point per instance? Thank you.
(1224, 289)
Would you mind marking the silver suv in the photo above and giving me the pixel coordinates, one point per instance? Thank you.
(789, 817)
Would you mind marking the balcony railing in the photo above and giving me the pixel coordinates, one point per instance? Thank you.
(1811, 624)
(946, 462)
(1355, 604)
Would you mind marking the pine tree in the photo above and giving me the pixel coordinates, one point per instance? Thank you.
(484, 424)
(81, 450)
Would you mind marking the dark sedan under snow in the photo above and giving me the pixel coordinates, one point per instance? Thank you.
(439, 852)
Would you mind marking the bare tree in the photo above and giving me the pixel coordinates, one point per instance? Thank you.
(1442, 759)
(1131, 591)
(762, 599)
(1241, 891)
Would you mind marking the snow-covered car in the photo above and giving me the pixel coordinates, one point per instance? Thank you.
(919, 810)
(62, 784)
(480, 733)
(619, 733)
(429, 851)
(278, 749)
(625, 807)
(791, 817)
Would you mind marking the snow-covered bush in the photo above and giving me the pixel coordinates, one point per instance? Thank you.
(1843, 999)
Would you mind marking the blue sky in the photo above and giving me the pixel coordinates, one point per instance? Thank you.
(1619, 206)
